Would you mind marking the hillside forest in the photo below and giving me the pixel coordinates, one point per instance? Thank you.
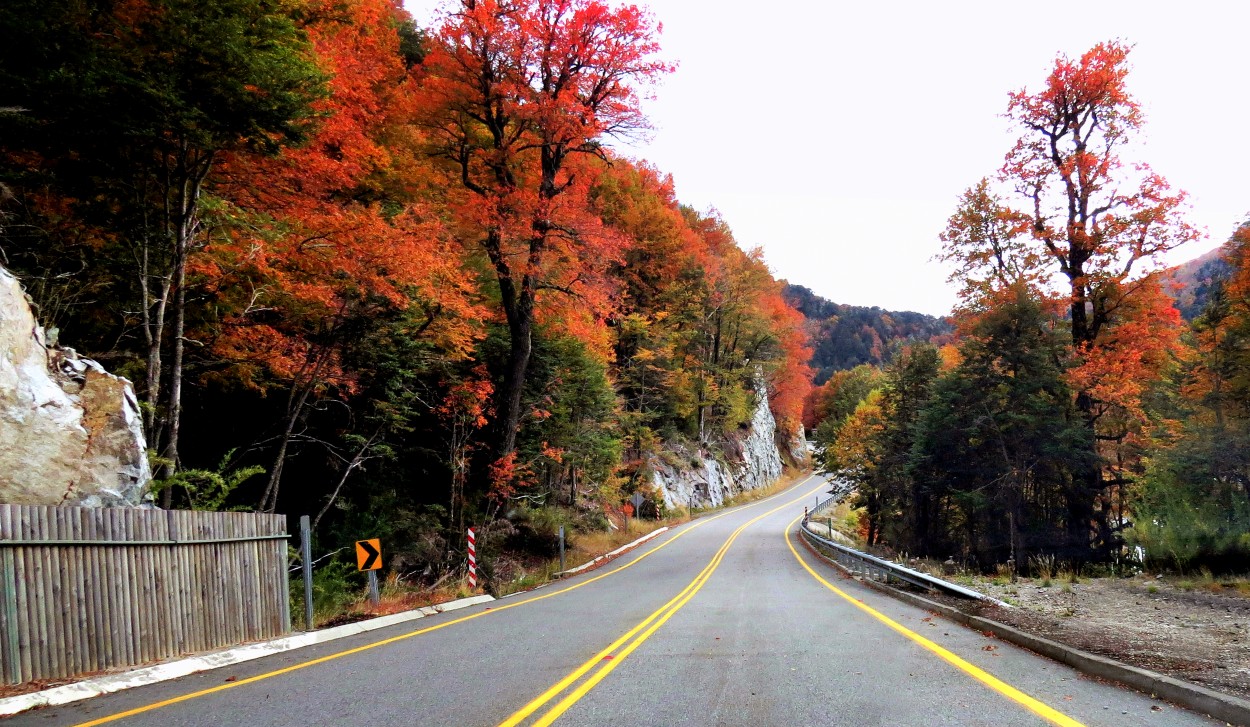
(1077, 418)
(398, 278)
(389, 276)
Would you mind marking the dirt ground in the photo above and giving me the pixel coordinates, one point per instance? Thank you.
(1195, 631)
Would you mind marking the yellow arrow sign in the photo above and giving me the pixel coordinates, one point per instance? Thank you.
(369, 554)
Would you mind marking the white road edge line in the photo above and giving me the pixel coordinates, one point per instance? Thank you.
(618, 551)
(174, 669)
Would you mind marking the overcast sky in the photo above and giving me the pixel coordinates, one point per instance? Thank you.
(838, 136)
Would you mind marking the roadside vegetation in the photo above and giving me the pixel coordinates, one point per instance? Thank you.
(1076, 425)
(525, 557)
(351, 281)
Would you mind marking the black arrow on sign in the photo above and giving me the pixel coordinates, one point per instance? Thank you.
(372, 558)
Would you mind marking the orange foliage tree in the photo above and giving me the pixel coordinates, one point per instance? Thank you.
(328, 234)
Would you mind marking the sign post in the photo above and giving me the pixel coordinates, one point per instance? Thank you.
(305, 554)
(369, 558)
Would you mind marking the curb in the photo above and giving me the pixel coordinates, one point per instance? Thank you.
(174, 669)
(609, 556)
(1223, 707)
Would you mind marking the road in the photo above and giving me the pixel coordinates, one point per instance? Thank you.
(727, 620)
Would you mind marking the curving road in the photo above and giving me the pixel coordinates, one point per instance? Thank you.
(723, 621)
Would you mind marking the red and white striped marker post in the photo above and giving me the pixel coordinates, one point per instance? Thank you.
(472, 560)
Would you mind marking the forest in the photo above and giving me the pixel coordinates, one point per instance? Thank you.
(399, 279)
(1078, 418)
(392, 277)
(845, 336)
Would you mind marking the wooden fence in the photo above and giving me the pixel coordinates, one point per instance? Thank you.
(85, 589)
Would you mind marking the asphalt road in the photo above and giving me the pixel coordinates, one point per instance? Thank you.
(718, 622)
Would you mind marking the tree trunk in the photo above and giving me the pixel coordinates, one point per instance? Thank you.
(520, 329)
(295, 408)
(190, 172)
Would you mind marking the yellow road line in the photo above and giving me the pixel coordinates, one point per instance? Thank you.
(419, 632)
(655, 620)
(1035, 706)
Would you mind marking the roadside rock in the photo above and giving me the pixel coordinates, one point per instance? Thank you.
(70, 432)
(708, 476)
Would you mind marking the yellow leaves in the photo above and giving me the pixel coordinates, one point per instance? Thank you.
(857, 448)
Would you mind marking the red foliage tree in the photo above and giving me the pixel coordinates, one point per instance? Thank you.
(328, 232)
(513, 92)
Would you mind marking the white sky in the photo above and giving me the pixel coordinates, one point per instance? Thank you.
(838, 136)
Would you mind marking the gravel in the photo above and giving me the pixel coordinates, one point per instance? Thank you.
(1197, 633)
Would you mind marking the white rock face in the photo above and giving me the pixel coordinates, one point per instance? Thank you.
(797, 447)
(70, 432)
(705, 478)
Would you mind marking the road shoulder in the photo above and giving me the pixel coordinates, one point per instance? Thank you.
(1221, 706)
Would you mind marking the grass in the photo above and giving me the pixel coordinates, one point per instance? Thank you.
(1205, 580)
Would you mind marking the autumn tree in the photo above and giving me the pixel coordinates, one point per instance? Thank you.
(1082, 223)
(1192, 504)
(828, 405)
(514, 91)
(328, 241)
(855, 455)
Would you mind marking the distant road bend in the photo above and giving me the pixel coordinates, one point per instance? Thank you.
(727, 620)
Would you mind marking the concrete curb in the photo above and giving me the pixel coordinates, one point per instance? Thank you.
(174, 669)
(1224, 707)
(609, 556)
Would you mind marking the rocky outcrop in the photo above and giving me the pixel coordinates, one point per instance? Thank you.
(705, 477)
(796, 447)
(70, 432)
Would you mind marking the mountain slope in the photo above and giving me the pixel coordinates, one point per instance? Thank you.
(1194, 280)
(844, 336)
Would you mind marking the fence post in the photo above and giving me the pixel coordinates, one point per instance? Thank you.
(561, 548)
(14, 664)
(282, 550)
(305, 549)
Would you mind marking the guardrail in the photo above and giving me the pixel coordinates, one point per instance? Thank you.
(883, 570)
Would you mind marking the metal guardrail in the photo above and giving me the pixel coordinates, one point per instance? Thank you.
(825, 505)
(879, 569)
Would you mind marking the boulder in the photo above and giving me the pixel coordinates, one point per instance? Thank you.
(70, 432)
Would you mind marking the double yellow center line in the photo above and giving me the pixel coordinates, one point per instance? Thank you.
(495, 609)
(613, 654)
